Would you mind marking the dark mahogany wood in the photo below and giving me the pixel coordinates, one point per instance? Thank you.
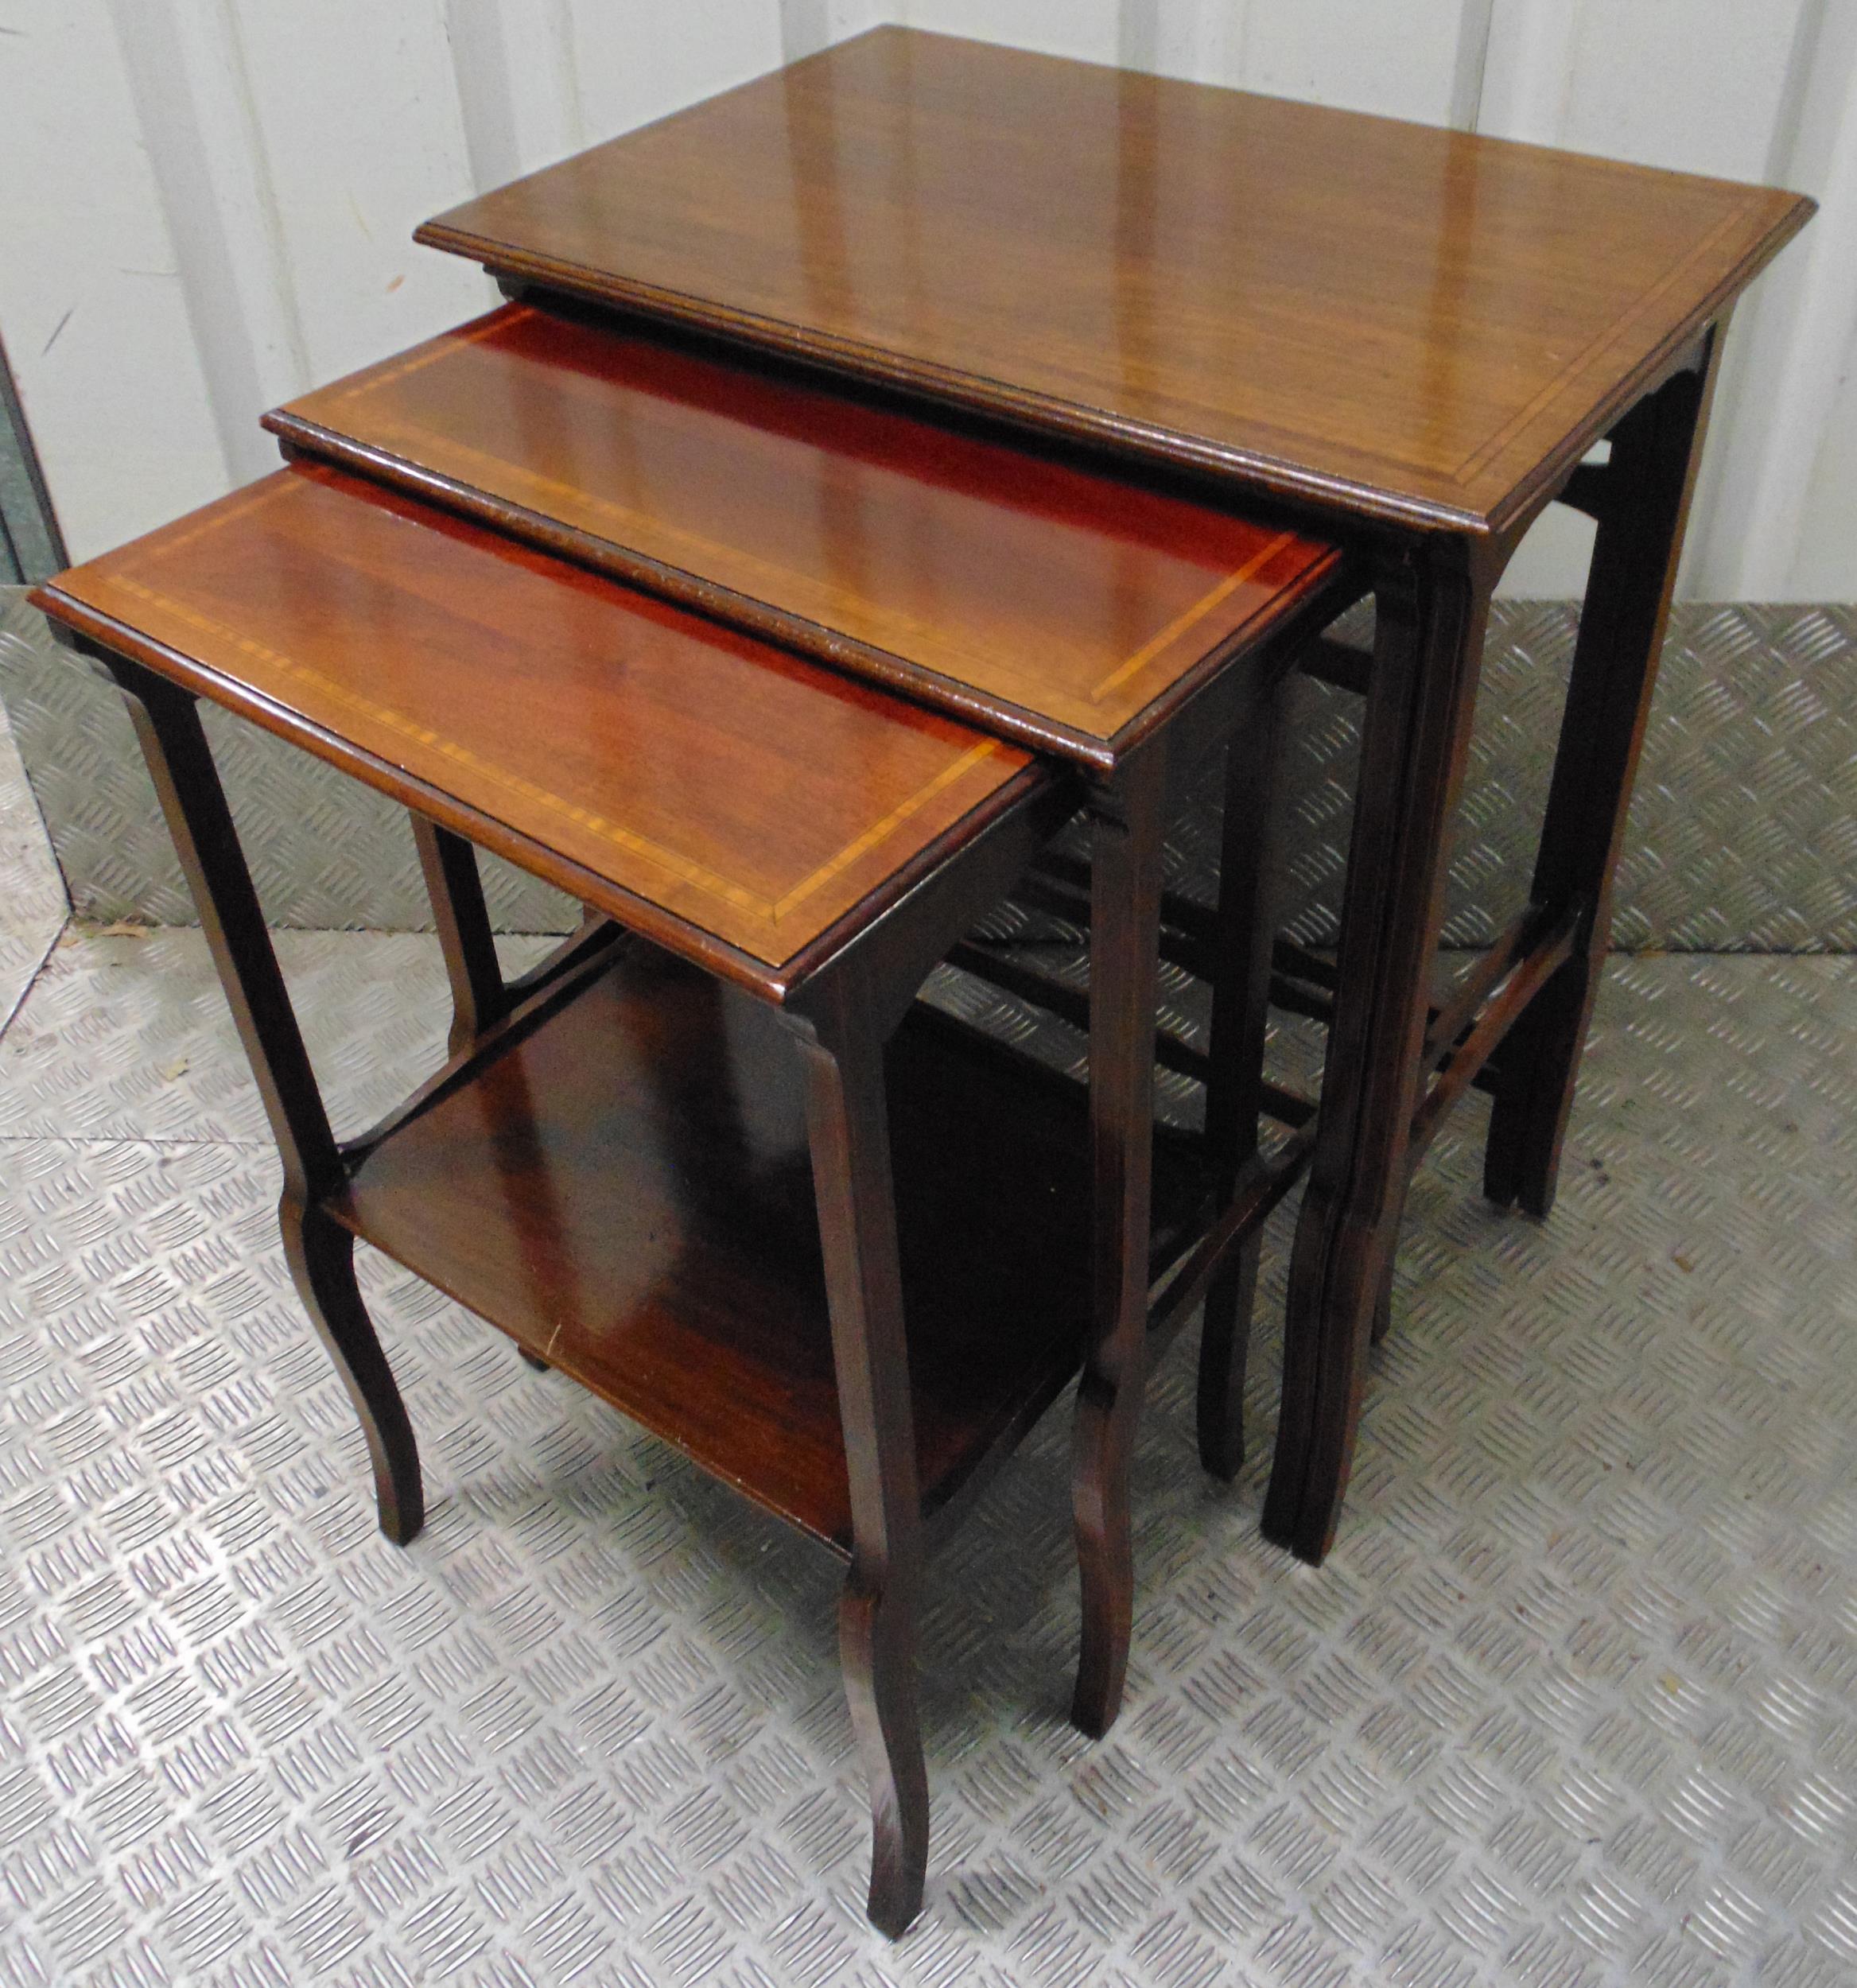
(1127, 821)
(636, 1169)
(320, 1256)
(1389, 319)
(735, 803)
(1066, 609)
(1642, 504)
(1239, 970)
(480, 999)
(1428, 651)
(848, 1121)
(1533, 1002)
(680, 1196)
(1412, 336)
(639, 1212)
(637, 1207)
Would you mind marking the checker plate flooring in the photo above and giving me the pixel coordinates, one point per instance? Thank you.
(1574, 1701)
(32, 909)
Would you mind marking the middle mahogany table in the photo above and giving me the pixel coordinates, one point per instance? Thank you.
(1129, 630)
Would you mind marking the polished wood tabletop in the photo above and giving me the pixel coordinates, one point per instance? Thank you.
(1395, 320)
(734, 803)
(1069, 609)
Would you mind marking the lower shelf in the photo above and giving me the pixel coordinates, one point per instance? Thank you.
(627, 1193)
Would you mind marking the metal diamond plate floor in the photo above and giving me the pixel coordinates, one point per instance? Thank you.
(1574, 1700)
(31, 893)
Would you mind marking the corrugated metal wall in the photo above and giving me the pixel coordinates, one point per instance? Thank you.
(205, 207)
(205, 204)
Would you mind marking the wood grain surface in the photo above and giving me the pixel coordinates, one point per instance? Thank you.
(629, 1194)
(1394, 320)
(693, 781)
(1061, 606)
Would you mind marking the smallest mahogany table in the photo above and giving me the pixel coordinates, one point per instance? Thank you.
(663, 1162)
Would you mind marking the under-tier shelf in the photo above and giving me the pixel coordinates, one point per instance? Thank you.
(627, 1193)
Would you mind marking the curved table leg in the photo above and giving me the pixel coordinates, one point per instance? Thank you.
(1428, 650)
(847, 1119)
(876, 1646)
(321, 1254)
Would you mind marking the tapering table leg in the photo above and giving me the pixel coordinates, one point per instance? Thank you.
(167, 723)
(1128, 819)
(479, 997)
(1430, 616)
(1241, 1006)
(847, 1119)
(1648, 483)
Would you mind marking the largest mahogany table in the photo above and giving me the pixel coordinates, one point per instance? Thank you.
(1409, 340)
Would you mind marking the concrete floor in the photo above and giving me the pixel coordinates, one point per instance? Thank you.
(1574, 1701)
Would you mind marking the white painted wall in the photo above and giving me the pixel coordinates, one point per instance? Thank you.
(205, 205)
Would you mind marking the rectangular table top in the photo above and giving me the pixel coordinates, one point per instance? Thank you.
(1067, 608)
(742, 807)
(1391, 320)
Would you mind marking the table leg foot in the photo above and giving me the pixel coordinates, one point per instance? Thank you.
(1521, 1160)
(1224, 1346)
(321, 1256)
(1383, 1309)
(1103, 1442)
(1325, 1363)
(876, 1642)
